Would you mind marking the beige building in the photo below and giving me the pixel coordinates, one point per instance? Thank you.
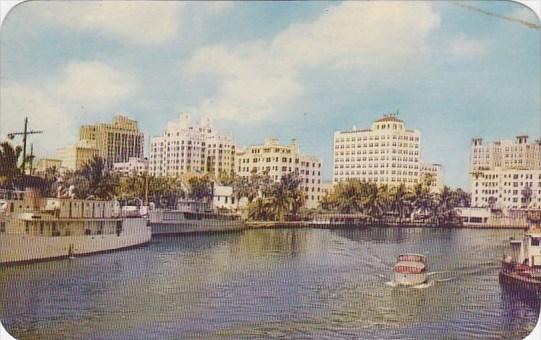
(46, 163)
(505, 154)
(279, 160)
(506, 188)
(191, 148)
(387, 153)
(506, 174)
(73, 157)
(116, 141)
(435, 171)
(133, 167)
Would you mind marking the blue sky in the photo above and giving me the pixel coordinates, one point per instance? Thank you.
(285, 69)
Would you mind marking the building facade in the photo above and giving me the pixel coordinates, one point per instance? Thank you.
(191, 148)
(223, 198)
(435, 172)
(73, 157)
(387, 153)
(47, 163)
(133, 167)
(506, 174)
(116, 141)
(506, 189)
(278, 160)
(505, 154)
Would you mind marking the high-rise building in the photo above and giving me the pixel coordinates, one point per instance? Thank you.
(191, 148)
(117, 141)
(73, 157)
(506, 174)
(387, 153)
(278, 160)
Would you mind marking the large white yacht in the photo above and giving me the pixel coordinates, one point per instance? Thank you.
(34, 228)
(192, 217)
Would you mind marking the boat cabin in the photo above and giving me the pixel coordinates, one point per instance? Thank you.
(528, 250)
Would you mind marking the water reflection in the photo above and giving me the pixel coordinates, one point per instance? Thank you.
(270, 283)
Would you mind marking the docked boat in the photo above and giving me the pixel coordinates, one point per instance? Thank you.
(521, 268)
(181, 221)
(35, 228)
(410, 270)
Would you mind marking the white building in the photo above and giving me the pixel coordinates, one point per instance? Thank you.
(505, 154)
(435, 171)
(387, 153)
(506, 174)
(188, 148)
(223, 198)
(279, 160)
(133, 167)
(506, 188)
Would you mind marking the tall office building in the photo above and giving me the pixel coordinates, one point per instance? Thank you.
(197, 148)
(117, 141)
(387, 153)
(278, 160)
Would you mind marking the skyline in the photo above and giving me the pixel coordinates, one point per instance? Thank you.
(453, 73)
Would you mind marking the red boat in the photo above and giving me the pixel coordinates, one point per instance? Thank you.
(521, 269)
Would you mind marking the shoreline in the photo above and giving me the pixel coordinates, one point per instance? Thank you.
(312, 224)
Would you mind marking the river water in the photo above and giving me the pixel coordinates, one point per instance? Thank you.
(281, 283)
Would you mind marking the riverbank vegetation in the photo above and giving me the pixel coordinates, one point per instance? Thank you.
(383, 203)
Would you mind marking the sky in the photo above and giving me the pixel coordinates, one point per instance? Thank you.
(288, 70)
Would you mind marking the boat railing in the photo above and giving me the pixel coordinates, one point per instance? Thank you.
(412, 258)
(12, 194)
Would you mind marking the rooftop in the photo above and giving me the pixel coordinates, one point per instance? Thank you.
(389, 118)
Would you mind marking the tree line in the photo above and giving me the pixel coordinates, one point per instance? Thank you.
(397, 203)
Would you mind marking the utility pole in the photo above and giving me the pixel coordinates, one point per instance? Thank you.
(25, 134)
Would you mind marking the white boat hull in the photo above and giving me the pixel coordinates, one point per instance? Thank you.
(194, 226)
(19, 248)
(409, 279)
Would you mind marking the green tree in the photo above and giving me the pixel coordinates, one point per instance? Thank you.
(9, 164)
(200, 188)
(400, 201)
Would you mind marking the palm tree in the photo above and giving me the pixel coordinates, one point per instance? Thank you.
(9, 164)
(421, 198)
(400, 201)
(101, 183)
(374, 200)
(259, 210)
(346, 196)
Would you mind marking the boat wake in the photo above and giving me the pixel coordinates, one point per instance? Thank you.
(425, 285)
(436, 273)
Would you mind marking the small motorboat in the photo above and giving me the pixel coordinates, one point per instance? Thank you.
(410, 270)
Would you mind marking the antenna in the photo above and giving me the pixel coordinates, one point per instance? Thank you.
(25, 134)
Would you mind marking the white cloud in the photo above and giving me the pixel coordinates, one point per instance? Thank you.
(55, 104)
(18, 101)
(463, 47)
(134, 22)
(94, 84)
(259, 79)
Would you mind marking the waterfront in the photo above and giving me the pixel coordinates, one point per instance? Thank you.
(272, 283)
